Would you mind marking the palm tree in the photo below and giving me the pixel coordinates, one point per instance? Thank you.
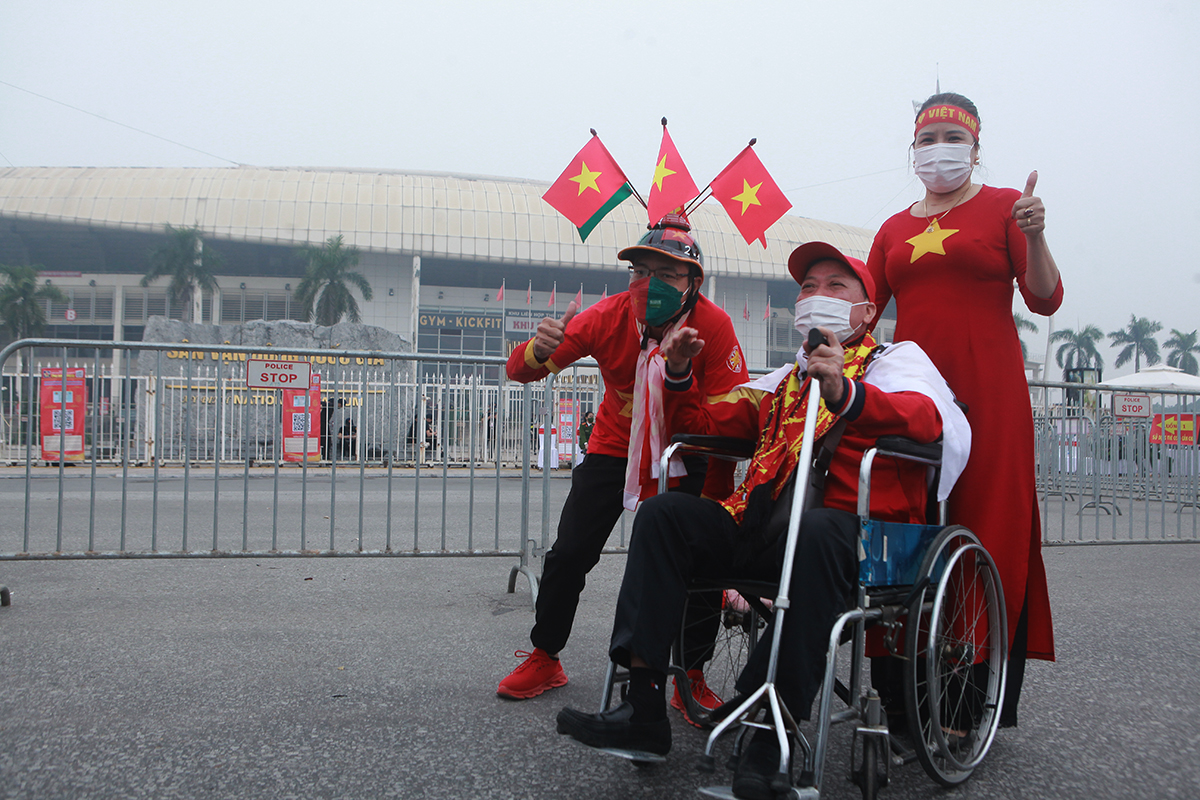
(189, 264)
(1078, 348)
(323, 294)
(23, 300)
(1023, 323)
(1138, 338)
(1182, 346)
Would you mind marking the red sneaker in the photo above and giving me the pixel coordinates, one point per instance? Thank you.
(705, 697)
(537, 673)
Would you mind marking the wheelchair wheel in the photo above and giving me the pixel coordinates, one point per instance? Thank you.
(957, 642)
(732, 624)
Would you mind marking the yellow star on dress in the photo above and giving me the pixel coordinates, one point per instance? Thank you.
(661, 172)
(749, 195)
(931, 240)
(586, 178)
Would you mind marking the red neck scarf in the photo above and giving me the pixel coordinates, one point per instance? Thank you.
(778, 449)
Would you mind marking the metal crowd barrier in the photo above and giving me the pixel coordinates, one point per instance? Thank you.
(1129, 473)
(179, 457)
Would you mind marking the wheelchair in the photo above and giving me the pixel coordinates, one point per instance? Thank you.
(931, 600)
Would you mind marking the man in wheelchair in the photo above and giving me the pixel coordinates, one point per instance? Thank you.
(866, 391)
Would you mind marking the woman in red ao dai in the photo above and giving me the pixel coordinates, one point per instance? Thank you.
(951, 261)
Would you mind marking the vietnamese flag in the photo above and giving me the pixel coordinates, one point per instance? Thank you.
(578, 301)
(500, 294)
(752, 199)
(590, 187)
(672, 185)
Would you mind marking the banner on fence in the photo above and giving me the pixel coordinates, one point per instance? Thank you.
(62, 411)
(301, 427)
(1173, 429)
(541, 441)
(567, 410)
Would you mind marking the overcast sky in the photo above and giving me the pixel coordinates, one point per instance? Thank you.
(1100, 97)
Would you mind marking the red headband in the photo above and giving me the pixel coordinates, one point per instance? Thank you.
(952, 114)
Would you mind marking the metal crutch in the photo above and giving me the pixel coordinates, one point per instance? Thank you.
(767, 695)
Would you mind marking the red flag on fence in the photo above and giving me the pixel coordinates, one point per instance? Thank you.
(746, 310)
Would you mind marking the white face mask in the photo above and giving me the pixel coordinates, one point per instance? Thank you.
(943, 167)
(818, 311)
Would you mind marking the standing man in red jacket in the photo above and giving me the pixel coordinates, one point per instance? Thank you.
(623, 333)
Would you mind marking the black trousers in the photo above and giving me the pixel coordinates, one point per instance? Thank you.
(592, 508)
(677, 538)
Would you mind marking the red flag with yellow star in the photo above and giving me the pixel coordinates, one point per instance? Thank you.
(672, 185)
(590, 187)
(753, 200)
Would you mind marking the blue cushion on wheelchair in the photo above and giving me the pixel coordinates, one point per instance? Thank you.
(890, 553)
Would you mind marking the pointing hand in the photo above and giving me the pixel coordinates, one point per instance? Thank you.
(680, 346)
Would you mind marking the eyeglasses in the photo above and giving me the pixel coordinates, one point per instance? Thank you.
(637, 273)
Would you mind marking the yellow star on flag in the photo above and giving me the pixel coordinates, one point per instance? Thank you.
(586, 179)
(661, 172)
(931, 240)
(749, 195)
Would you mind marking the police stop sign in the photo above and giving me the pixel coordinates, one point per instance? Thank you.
(262, 374)
(1131, 405)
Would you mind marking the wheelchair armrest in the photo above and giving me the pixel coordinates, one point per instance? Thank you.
(728, 447)
(909, 448)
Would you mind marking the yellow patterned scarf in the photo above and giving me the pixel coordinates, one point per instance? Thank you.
(778, 449)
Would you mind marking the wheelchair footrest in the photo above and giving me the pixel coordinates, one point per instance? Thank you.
(794, 793)
(636, 756)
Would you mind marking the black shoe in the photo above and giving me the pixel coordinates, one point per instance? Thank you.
(759, 764)
(614, 729)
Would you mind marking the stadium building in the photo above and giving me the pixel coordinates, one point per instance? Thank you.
(436, 249)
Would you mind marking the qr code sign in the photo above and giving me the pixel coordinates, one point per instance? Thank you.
(56, 419)
(300, 422)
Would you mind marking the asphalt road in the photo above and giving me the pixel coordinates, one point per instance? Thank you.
(366, 678)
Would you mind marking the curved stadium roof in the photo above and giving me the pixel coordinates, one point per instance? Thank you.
(450, 216)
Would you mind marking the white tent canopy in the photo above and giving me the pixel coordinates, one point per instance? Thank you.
(1159, 377)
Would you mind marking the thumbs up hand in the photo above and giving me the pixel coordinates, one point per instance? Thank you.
(550, 333)
(1028, 211)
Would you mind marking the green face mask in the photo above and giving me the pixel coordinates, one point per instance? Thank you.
(662, 302)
